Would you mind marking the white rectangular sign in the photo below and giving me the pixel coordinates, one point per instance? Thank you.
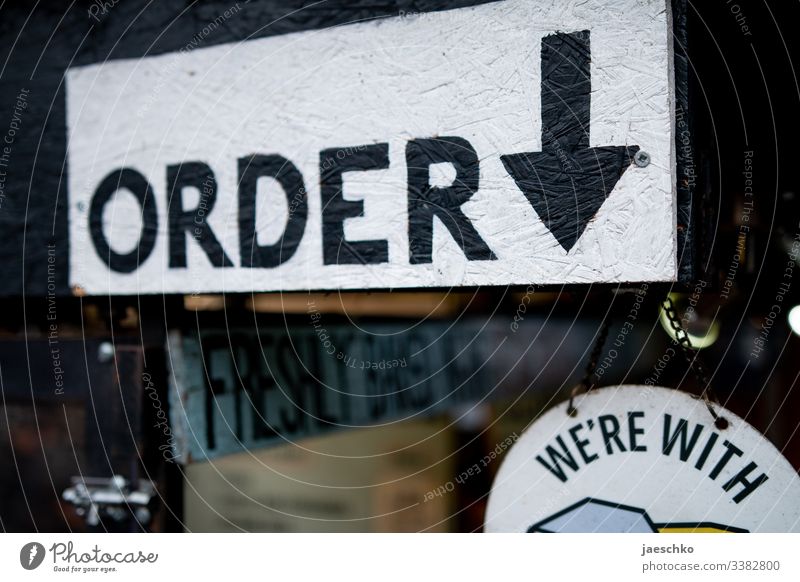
(516, 142)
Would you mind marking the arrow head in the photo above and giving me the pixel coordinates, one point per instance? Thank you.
(568, 181)
(567, 191)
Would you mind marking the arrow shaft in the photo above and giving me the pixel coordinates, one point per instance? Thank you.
(566, 91)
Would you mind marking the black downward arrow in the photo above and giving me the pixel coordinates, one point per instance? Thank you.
(568, 181)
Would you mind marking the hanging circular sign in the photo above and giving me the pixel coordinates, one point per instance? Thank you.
(643, 459)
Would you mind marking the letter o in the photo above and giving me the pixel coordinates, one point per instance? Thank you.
(137, 185)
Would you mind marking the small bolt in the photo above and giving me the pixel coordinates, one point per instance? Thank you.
(105, 353)
(641, 159)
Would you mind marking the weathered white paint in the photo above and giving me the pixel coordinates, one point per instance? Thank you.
(669, 490)
(470, 72)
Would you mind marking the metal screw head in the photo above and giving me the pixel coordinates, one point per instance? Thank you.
(641, 159)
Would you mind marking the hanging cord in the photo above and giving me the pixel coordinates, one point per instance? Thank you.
(695, 364)
(588, 381)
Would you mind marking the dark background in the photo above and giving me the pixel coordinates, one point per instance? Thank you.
(743, 96)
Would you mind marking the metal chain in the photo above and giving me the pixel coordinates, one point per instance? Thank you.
(587, 383)
(684, 342)
(693, 360)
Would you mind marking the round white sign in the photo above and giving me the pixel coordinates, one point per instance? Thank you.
(643, 459)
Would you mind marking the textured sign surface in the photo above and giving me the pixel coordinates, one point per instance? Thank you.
(483, 145)
(643, 459)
